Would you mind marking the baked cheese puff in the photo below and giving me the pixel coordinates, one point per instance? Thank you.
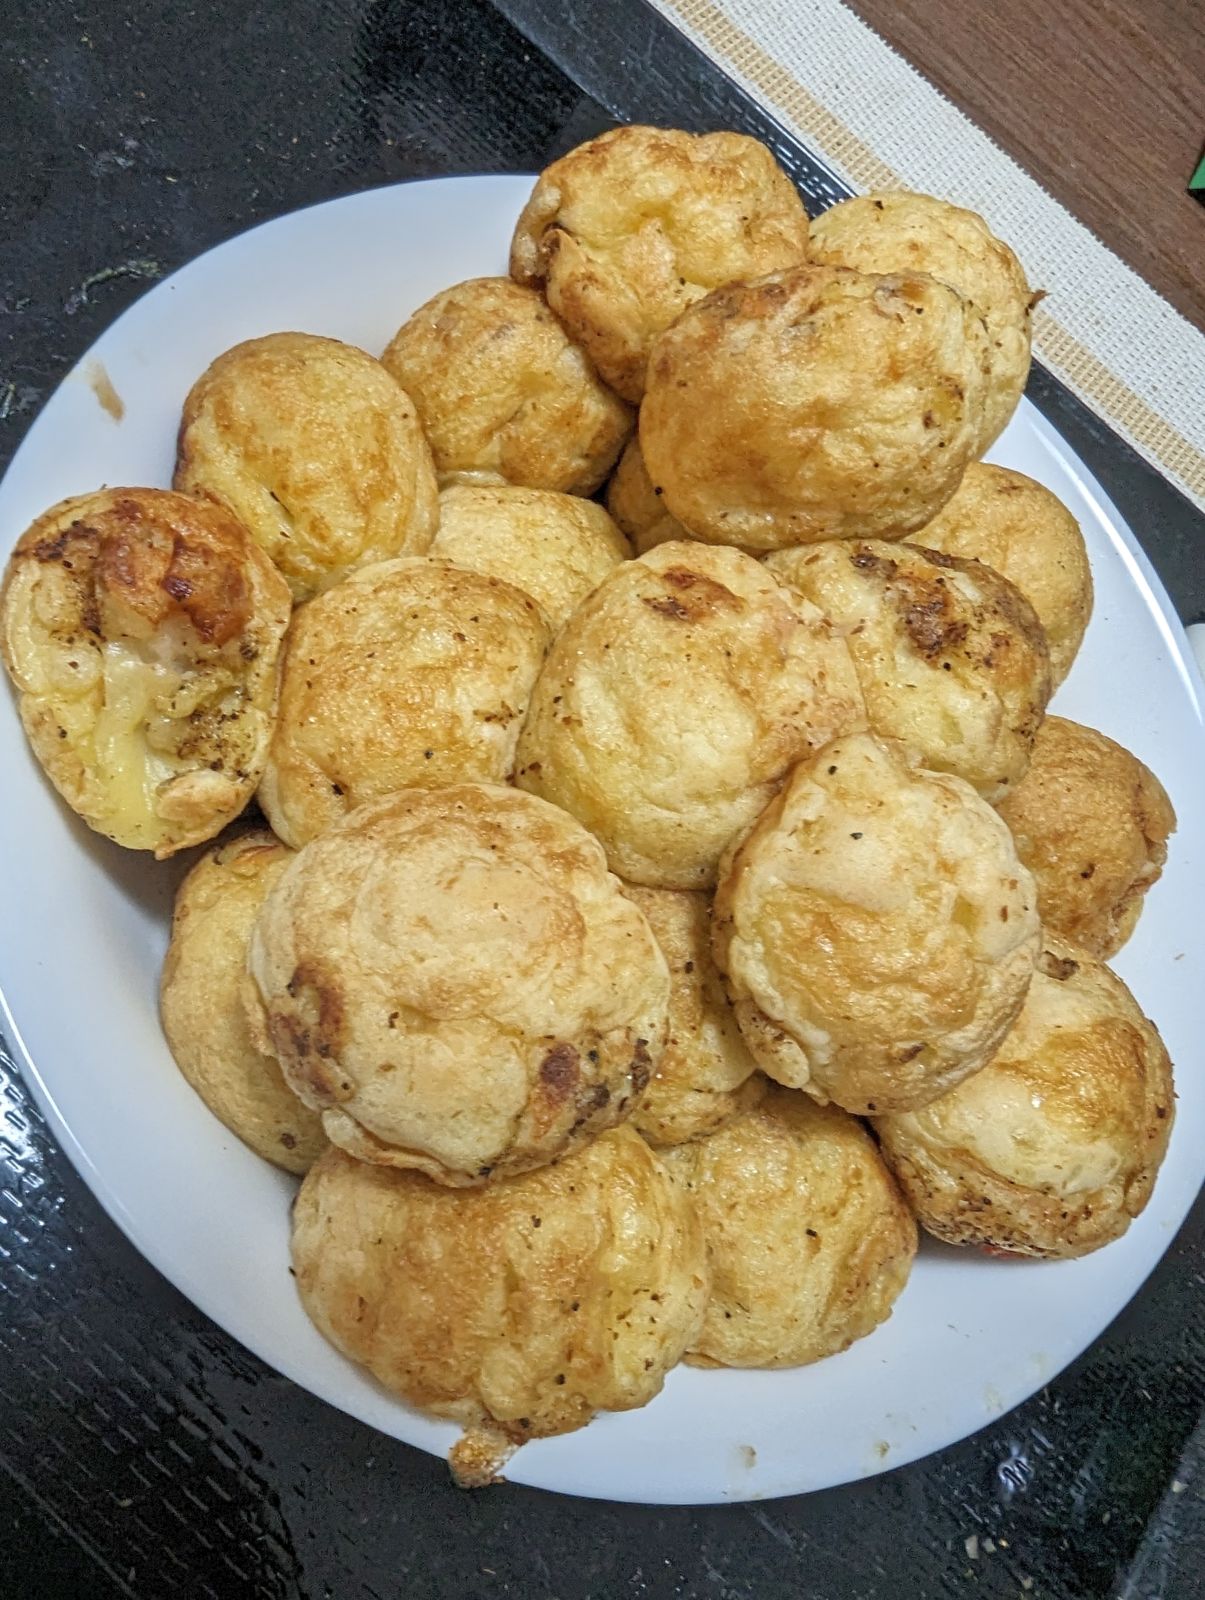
(876, 930)
(142, 630)
(456, 982)
(504, 394)
(673, 703)
(950, 656)
(808, 1240)
(412, 673)
(518, 1310)
(1091, 822)
(555, 547)
(317, 449)
(899, 231)
(631, 228)
(706, 1074)
(201, 1001)
(817, 403)
(1014, 524)
(635, 504)
(1053, 1149)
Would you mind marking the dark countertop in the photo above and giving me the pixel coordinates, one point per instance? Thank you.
(142, 1452)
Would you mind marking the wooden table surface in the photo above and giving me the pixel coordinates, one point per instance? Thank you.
(1102, 101)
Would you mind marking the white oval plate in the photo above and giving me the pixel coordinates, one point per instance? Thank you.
(84, 927)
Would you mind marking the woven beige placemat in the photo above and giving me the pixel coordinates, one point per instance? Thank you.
(880, 125)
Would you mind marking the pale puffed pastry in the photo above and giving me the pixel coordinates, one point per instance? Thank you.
(517, 1310)
(876, 930)
(1014, 524)
(455, 980)
(808, 1241)
(673, 703)
(142, 630)
(555, 547)
(1053, 1149)
(950, 656)
(503, 393)
(631, 228)
(317, 449)
(898, 231)
(635, 504)
(815, 404)
(201, 1001)
(412, 673)
(706, 1074)
(1091, 822)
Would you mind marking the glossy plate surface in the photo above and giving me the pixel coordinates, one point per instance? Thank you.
(85, 926)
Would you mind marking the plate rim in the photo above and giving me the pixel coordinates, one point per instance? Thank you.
(1143, 574)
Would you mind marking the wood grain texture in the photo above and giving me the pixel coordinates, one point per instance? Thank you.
(1102, 101)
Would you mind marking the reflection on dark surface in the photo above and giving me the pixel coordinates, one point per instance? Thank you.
(473, 114)
(146, 1454)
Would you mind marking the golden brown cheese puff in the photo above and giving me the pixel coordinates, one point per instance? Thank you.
(518, 1310)
(672, 704)
(1012, 523)
(317, 449)
(504, 394)
(1091, 822)
(201, 1002)
(142, 630)
(636, 505)
(628, 230)
(876, 929)
(706, 1074)
(903, 232)
(1054, 1147)
(949, 654)
(410, 674)
(455, 980)
(815, 404)
(555, 547)
(808, 1240)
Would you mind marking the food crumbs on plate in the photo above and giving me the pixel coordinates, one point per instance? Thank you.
(881, 1449)
(101, 385)
(748, 1456)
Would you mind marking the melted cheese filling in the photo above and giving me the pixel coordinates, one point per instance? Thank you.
(126, 765)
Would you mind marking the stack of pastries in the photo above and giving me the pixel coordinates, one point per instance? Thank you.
(667, 887)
